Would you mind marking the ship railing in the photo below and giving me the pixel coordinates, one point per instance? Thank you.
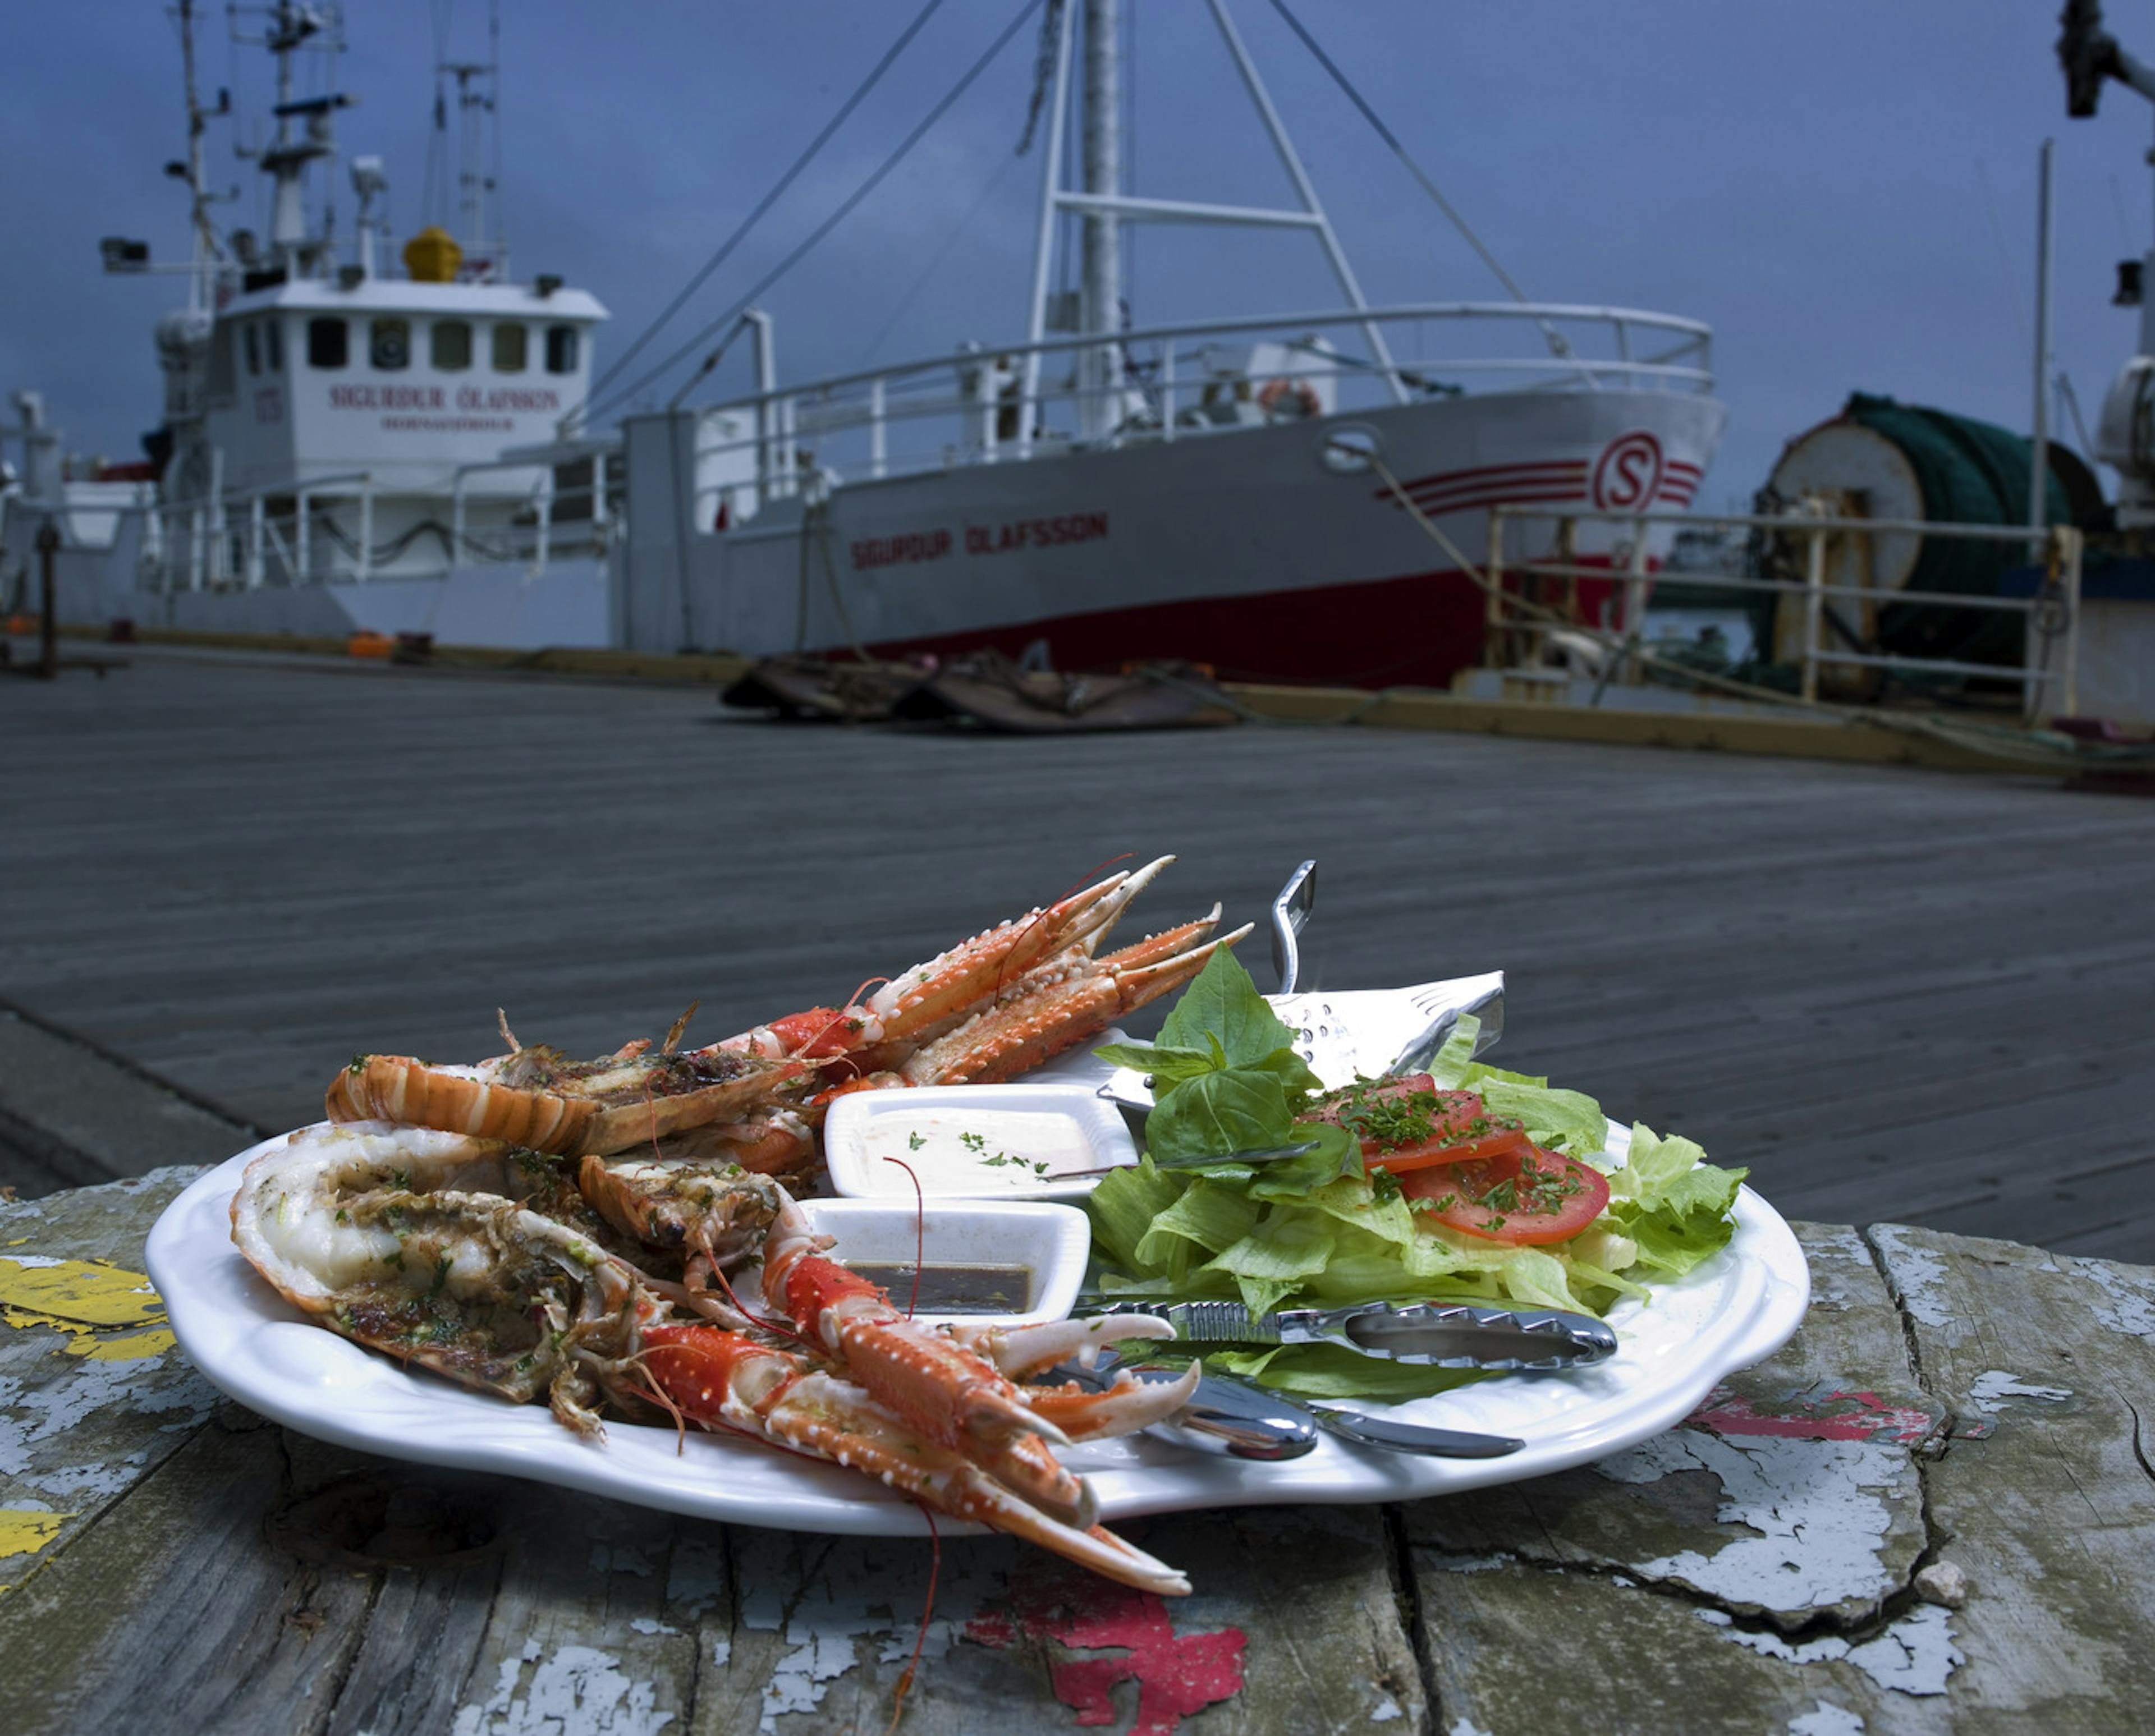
(985, 405)
(228, 540)
(2050, 617)
(548, 498)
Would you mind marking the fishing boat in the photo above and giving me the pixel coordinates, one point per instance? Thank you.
(330, 455)
(1247, 493)
(1301, 497)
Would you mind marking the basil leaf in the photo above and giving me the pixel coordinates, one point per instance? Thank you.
(1339, 1153)
(1234, 1109)
(1224, 1003)
(1166, 1065)
(1291, 1071)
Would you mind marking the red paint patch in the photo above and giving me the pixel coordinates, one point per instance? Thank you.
(1809, 1415)
(1177, 1675)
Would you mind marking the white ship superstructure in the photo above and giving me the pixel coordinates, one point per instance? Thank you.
(335, 418)
(352, 449)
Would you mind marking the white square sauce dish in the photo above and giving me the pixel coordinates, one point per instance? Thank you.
(1013, 1141)
(1013, 1263)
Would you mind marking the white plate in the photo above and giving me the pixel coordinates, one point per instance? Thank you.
(1737, 1308)
(853, 1154)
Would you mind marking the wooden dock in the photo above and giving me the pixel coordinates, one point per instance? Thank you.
(1898, 995)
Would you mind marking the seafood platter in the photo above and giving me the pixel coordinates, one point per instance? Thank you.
(959, 1247)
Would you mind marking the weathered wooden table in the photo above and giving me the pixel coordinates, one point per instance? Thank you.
(1934, 1510)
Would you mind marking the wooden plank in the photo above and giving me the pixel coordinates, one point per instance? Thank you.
(2049, 1512)
(94, 1395)
(1757, 1561)
(1739, 947)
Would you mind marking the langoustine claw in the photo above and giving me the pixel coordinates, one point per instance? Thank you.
(727, 1379)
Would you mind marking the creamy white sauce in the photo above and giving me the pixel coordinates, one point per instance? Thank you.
(969, 1150)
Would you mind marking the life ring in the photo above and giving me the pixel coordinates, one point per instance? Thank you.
(1286, 399)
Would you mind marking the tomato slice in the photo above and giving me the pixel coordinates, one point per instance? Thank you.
(1408, 1124)
(1523, 1198)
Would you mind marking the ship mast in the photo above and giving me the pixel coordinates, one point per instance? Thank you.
(286, 157)
(207, 252)
(1100, 299)
(1103, 208)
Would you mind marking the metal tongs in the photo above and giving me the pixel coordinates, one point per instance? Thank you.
(1244, 1420)
(1427, 1335)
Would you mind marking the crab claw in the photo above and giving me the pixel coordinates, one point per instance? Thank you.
(1126, 1407)
(726, 1380)
(1064, 1001)
(1021, 1350)
(952, 1394)
(914, 1004)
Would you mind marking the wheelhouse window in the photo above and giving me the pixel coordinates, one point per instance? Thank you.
(272, 344)
(511, 342)
(450, 345)
(561, 350)
(329, 343)
(389, 345)
(254, 349)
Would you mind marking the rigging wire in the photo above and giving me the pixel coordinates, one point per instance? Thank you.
(1043, 70)
(1558, 344)
(965, 83)
(905, 302)
(769, 199)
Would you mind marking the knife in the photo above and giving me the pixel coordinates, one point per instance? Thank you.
(1243, 1420)
(1436, 1334)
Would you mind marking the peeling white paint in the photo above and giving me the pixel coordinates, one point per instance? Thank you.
(833, 1620)
(797, 1684)
(2124, 1304)
(1917, 1275)
(1466, 1727)
(696, 1576)
(722, 1653)
(1447, 1563)
(579, 1691)
(1819, 1510)
(652, 1624)
(610, 1557)
(1988, 1388)
(75, 1483)
(1914, 1657)
(36, 1260)
(145, 1387)
(1388, 1708)
(1825, 1719)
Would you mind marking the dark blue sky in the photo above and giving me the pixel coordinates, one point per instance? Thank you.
(1845, 191)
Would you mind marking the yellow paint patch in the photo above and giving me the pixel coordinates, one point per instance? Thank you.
(82, 1298)
(133, 1347)
(24, 1532)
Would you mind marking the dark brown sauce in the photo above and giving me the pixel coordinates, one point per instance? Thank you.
(953, 1289)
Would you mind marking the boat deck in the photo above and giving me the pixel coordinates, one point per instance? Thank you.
(1898, 995)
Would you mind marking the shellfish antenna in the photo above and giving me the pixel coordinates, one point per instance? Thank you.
(678, 1028)
(927, 1614)
(508, 1036)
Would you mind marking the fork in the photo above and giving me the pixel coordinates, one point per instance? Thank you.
(1430, 999)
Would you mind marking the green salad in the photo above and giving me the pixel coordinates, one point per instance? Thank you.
(1331, 1226)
